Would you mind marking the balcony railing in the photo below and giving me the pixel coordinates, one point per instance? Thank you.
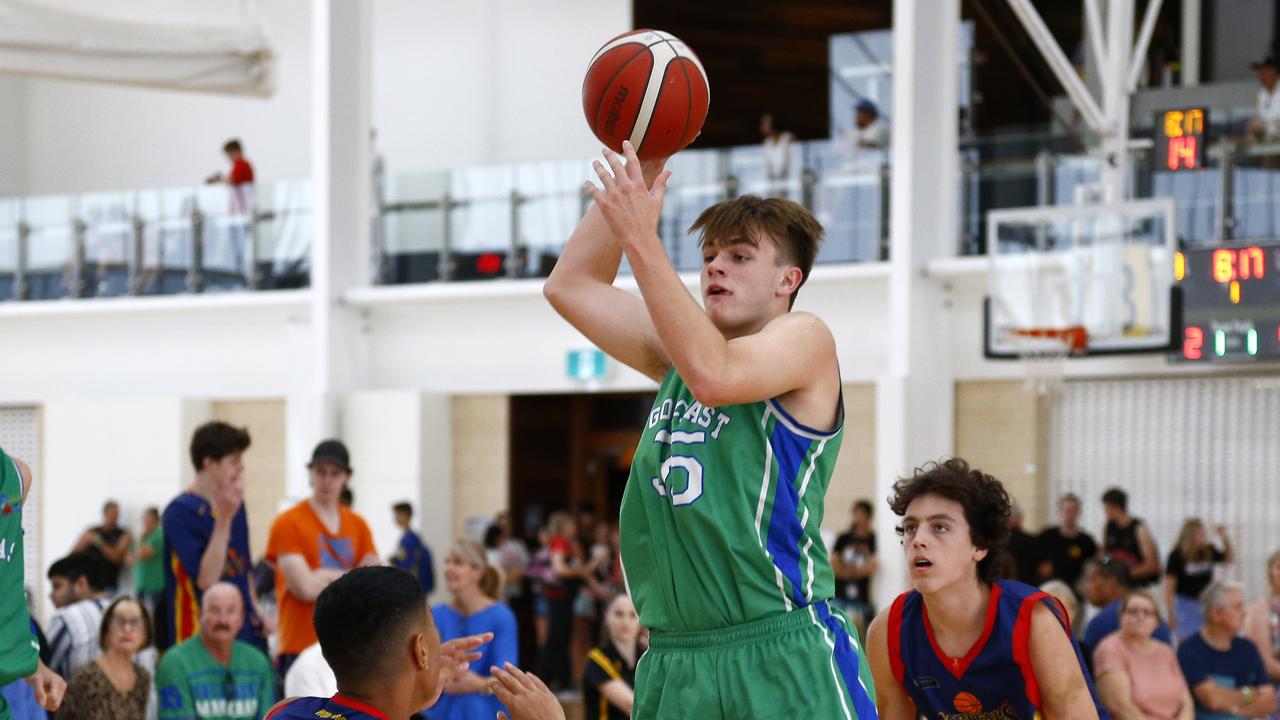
(512, 221)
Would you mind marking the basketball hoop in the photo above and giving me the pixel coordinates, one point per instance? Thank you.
(1044, 352)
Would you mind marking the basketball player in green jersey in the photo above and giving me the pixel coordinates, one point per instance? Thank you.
(720, 517)
(19, 651)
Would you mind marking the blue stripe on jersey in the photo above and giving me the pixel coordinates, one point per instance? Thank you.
(847, 661)
(785, 530)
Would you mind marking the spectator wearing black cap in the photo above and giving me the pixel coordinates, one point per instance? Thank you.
(312, 544)
(1265, 123)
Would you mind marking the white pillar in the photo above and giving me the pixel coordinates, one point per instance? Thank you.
(340, 178)
(915, 399)
(1190, 56)
(1115, 99)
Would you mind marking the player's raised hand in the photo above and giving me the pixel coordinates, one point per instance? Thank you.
(629, 204)
(524, 694)
(227, 499)
(457, 655)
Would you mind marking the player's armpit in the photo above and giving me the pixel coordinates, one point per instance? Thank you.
(892, 701)
(791, 353)
(1064, 695)
(25, 471)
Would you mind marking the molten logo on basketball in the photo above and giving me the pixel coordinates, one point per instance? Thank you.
(615, 109)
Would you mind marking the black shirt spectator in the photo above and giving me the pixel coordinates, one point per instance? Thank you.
(1127, 539)
(604, 664)
(855, 548)
(1191, 578)
(1065, 548)
(1022, 546)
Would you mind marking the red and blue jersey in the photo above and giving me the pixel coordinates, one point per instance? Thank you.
(188, 526)
(995, 681)
(338, 707)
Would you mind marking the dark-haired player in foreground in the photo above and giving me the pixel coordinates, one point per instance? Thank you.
(964, 644)
(721, 514)
(377, 635)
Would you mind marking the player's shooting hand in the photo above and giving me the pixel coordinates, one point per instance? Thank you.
(49, 687)
(630, 206)
(526, 696)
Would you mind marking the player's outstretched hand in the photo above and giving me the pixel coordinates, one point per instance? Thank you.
(49, 687)
(457, 655)
(629, 204)
(526, 696)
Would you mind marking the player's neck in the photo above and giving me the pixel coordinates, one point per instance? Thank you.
(1069, 531)
(203, 486)
(959, 610)
(390, 700)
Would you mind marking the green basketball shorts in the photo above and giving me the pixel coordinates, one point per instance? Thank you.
(803, 664)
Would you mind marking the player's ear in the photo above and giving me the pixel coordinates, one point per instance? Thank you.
(418, 652)
(791, 279)
(979, 554)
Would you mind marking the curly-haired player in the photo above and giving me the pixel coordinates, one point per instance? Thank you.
(964, 645)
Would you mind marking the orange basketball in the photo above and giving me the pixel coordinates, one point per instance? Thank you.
(967, 704)
(648, 87)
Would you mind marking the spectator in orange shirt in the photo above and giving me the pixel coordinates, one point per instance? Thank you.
(311, 545)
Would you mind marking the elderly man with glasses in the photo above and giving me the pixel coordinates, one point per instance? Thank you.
(213, 675)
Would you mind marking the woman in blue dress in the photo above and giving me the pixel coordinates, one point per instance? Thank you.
(474, 585)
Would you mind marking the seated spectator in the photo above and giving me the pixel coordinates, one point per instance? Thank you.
(379, 639)
(310, 675)
(1189, 572)
(1225, 672)
(1065, 595)
(113, 686)
(608, 684)
(1106, 582)
(1264, 125)
(77, 594)
(1262, 623)
(214, 675)
(869, 136)
(108, 544)
(1138, 677)
(474, 585)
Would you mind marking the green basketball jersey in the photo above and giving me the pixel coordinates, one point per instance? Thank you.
(721, 512)
(19, 651)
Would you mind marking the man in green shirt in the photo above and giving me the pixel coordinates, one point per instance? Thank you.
(19, 651)
(148, 559)
(213, 676)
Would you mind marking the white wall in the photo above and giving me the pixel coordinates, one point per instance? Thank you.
(454, 84)
(487, 81)
(12, 134)
(85, 136)
(131, 449)
(399, 443)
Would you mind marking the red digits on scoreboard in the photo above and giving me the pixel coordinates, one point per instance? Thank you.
(1182, 152)
(1193, 343)
(1244, 264)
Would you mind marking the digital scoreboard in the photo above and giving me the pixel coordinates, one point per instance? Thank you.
(1231, 303)
(1180, 139)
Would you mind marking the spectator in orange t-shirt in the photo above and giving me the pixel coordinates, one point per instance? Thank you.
(311, 545)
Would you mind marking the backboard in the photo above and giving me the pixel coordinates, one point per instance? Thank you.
(1081, 280)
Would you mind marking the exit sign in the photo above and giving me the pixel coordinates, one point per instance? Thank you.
(587, 364)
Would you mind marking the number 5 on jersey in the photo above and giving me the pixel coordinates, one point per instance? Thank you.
(690, 465)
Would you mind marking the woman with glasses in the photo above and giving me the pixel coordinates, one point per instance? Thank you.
(1189, 571)
(1138, 677)
(113, 686)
